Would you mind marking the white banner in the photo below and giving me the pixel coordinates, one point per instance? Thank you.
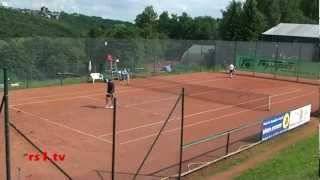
(299, 116)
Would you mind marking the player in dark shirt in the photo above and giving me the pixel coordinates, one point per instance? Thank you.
(110, 87)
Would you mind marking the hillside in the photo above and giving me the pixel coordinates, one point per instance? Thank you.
(84, 23)
(18, 24)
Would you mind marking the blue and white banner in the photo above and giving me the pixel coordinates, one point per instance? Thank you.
(283, 122)
(275, 125)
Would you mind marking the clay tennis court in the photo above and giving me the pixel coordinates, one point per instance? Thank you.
(71, 120)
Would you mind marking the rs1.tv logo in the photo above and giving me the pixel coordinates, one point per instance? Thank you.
(45, 156)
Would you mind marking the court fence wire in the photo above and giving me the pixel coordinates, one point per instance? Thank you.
(7, 124)
(37, 62)
(40, 61)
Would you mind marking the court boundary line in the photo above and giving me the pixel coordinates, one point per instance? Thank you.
(190, 95)
(79, 97)
(126, 87)
(138, 109)
(61, 125)
(195, 114)
(208, 120)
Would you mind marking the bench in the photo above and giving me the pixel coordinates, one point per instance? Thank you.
(96, 76)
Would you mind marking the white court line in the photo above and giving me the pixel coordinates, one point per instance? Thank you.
(207, 121)
(190, 95)
(194, 114)
(138, 109)
(54, 95)
(61, 125)
(84, 96)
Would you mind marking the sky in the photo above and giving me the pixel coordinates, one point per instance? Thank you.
(125, 10)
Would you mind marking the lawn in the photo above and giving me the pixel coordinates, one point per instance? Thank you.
(299, 161)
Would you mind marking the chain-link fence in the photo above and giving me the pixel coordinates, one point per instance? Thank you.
(35, 62)
(42, 61)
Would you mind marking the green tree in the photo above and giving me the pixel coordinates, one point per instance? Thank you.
(164, 23)
(122, 31)
(185, 26)
(271, 11)
(253, 22)
(147, 17)
(310, 9)
(204, 28)
(230, 25)
(291, 12)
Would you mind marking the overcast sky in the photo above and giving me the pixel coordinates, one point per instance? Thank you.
(125, 9)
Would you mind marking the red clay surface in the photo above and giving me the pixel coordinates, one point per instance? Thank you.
(71, 120)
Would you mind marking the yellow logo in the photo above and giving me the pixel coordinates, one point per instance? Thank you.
(286, 121)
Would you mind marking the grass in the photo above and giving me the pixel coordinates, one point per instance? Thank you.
(296, 162)
(309, 151)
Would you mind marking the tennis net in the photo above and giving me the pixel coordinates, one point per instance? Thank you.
(238, 98)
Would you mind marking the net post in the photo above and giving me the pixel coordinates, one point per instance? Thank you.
(6, 124)
(181, 132)
(228, 140)
(114, 138)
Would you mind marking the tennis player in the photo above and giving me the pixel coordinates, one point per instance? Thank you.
(110, 93)
(231, 70)
(126, 76)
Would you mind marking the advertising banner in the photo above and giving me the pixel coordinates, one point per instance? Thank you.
(283, 122)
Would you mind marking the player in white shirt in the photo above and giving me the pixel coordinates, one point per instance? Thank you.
(231, 70)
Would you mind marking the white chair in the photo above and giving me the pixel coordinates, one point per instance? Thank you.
(96, 76)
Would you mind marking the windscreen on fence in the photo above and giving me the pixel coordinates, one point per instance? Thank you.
(280, 67)
(43, 61)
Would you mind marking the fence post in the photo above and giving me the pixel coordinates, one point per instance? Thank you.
(319, 100)
(6, 124)
(255, 59)
(276, 62)
(298, 63)
(215, 57)
(319, 147)
(181, 132)
(154, 65)
(228, 139)
(235, 51)
(114, 138)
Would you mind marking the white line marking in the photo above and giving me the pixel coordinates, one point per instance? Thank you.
(207, 121)
(139, 109)
(194, 114)
(84, 96)
(61, 125)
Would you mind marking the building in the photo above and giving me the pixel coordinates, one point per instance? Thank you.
(45, 12)
(4, 4)
(286, 32)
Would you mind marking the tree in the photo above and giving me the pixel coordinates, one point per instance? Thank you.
(271, 11)
(121, 31)
(310, 9)
(253, 22)
(185, 26)
(291, 12)
(204, 28)
(147, 17)
(230, 24)
(164, 23)
(97, 32)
